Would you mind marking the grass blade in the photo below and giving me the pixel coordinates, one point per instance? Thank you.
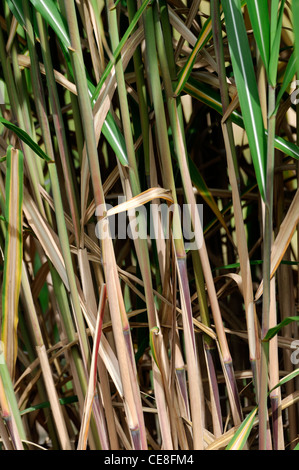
(26, 139)
(274, 331)
(203, 38)
(295, 11)
(17, 10)
(288, 76)
(274, 50)
(247, 88)
(52, 16)
(259, 17)
(240, 437)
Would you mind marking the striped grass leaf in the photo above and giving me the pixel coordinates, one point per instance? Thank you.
(51, 14)
(225, 439)
(286, 379)
(247, 88)
(204, 36)
(13, 255)
(240, 437)
(260, 21)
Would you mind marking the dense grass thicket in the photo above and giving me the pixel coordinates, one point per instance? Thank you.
(120, 328)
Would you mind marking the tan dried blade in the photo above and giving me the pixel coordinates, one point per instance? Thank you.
(13, 256)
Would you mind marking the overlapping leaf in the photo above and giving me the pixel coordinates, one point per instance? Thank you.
(259, 17)
(247, 88)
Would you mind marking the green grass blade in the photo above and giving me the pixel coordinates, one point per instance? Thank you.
(51, 14)
(46, 404)
(26, 139)
(254, 262)
(13, 256)
(153, 332)
(274, 51)
(295, 11)
(288, 76)
(273, 331)
(247, 88)
(273, 21)
(15, 7)
(259, 17)
(286, 379)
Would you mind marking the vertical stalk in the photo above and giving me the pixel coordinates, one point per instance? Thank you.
(41, 108)
(268, 223)
(209, 344)
(140, 243)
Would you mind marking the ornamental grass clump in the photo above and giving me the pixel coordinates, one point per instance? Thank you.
(148, 225)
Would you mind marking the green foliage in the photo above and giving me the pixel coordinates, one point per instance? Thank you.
(115, 343)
